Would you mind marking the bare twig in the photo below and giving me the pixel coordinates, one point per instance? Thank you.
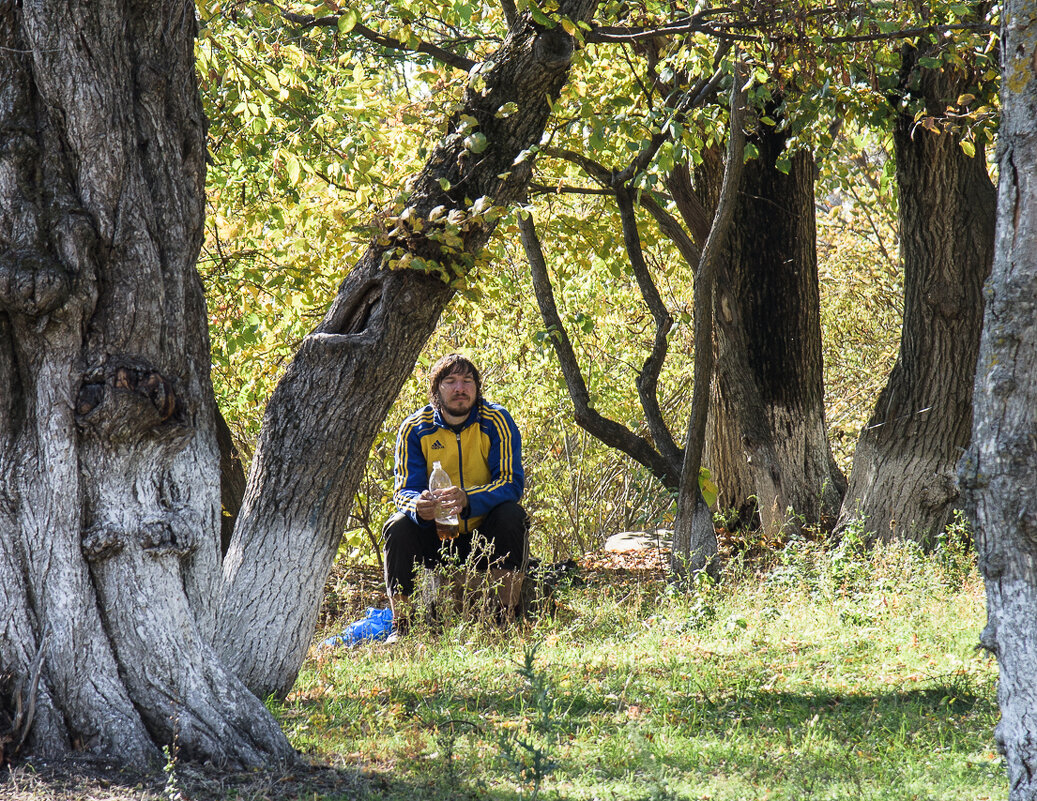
(763, 27)
(25, 702)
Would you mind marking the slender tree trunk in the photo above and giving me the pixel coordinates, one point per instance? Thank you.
(694, 538)
(767, 443)
(902, 484)
(1000, 469)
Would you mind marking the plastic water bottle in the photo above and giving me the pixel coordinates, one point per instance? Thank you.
(446, 522)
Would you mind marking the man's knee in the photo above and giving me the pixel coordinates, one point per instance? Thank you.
(399, 530)
(508, 515)
(507, 527)
(402, 545)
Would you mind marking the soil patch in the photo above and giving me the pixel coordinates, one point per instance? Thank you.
(82, 780)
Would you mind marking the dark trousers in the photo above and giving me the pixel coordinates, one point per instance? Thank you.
(501, 541)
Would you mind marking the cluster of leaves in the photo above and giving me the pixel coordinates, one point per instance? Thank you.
(314, 124)
(307, 135)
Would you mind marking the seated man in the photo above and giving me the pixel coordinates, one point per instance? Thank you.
(478, 445)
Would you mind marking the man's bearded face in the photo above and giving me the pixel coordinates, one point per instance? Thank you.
(457, 394)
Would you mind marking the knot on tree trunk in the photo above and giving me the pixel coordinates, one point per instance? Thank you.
(167, 537)
(553, 48)
(126, 399)
(102, 541)
(32, 283)
(354, 316)
(988, 639)
(941, 491)
(946, 298)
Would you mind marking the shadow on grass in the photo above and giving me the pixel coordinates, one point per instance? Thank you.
(90, 780)
(941, 699)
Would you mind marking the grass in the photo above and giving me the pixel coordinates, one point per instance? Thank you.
(828, 675)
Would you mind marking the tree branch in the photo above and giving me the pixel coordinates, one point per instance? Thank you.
(693, 97)
(701, 91)
(610, 432)
(510, 11)
(746, 31)
(541, 189)
(648, 377)
(447, 57)
(686, 246)
(691, 209)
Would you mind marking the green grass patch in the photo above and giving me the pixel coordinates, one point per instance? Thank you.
(831, 674)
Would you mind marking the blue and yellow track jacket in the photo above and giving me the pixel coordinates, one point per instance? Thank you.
(483, 457)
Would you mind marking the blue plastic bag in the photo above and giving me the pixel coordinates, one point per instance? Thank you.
(375, 625)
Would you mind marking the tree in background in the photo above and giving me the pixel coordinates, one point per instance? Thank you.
(903, 484)
(767, 442)
(767, 445)
(667, 96)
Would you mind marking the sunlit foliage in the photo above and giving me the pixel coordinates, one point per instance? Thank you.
(313, 130)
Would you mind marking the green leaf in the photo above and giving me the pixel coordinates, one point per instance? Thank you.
(507, 110)
(477, 142)
(708, 487)
(540, 17)
(348, 21)
(968, 148)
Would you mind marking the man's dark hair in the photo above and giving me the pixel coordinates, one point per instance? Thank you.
(448, 365)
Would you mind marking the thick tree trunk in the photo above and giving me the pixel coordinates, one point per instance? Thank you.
(767, 444)
(109, 498)
(902, 484)
(1000, 469)
(322, 419)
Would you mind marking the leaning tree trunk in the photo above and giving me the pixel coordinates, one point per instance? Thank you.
(902, 484)
(323, 417)
(999, 472)
(767, 443)
(109, 504)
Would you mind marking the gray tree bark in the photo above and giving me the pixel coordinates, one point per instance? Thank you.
(902, 484)
(110, 510)
(999, 471)
(109, 463)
